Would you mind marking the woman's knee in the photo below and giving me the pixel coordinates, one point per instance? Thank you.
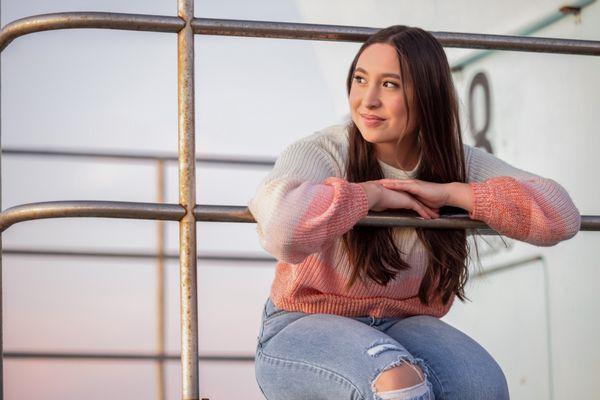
(461, 368)
(403, 380)
(494, 382)
(483, 380)
(400, 377)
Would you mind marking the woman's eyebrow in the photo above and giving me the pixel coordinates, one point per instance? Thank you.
(386, 75)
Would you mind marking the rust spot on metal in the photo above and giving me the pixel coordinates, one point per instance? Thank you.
(570, 10)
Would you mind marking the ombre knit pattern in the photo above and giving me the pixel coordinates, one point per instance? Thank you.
(305, 205)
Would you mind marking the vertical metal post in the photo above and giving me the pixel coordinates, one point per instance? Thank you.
(1, 305)
(187, 198)
(160, 285)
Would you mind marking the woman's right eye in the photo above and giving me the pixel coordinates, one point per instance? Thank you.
(357, 78)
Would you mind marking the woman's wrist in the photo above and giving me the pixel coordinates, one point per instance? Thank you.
(460, 195)
(373, 192)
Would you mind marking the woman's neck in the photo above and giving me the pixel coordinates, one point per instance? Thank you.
(405, 156)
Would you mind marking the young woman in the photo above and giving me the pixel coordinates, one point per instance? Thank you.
(354, 311)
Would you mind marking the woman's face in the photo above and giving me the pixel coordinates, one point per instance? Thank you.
(377, 101)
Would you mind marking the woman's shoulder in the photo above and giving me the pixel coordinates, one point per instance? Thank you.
(332, 136)
(331, 142)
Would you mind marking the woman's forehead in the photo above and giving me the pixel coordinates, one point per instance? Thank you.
(378, 59)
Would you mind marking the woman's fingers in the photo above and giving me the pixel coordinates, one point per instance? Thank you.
(406, 200)
(410, 187)
(424, 211)
(421, 211)
(391, 180)
(432, 195)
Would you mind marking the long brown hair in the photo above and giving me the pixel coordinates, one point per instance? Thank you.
(372, 251)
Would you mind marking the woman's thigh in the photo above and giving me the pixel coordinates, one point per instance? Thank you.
(324, 356)
(460, 367)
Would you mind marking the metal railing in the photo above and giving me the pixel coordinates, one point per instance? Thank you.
(187, 212)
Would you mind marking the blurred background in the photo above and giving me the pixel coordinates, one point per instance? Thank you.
(532, 308)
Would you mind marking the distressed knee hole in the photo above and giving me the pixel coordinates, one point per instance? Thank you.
(403, 376)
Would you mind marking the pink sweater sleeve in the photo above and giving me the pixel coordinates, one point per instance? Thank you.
(519, 204)
(302, 206)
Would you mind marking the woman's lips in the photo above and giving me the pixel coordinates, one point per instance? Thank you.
(371, 121)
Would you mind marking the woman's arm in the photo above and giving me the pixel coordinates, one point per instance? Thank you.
(515, 203)
(519, 204)
(303, 204)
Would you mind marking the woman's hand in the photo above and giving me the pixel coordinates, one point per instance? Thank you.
(380, 198)
(433, 195)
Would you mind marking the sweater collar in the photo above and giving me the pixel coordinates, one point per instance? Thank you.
(396, 173)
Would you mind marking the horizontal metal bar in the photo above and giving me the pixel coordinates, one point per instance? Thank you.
(405, 219)
(281, 30)
(92, 209)
(590, 222)
(99, 20)
(150, 157)
(218, 213)
(132, 255)
(339, 33)
(120, 356)
(213, 213)
(454, 221)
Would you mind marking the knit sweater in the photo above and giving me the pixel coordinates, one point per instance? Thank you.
(305, 205)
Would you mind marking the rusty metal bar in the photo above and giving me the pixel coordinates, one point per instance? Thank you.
(1, 272)
(143, 157)
(187, 198)
(340, 33)
(281, 30)
(121, 356)
(98, 20)
(93, 209)
(590, 223)
(216, 213)
(160, 283)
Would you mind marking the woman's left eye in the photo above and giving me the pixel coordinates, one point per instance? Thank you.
(395, 85)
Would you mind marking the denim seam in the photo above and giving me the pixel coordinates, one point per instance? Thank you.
(307, 364)
(269, 318)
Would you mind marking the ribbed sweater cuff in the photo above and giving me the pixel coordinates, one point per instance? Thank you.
(493, 198)
(360, 203)
(362, 200)
(482, 200)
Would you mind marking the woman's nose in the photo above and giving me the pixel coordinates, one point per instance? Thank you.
(371, 99)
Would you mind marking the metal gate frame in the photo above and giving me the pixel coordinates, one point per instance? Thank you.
(187, 212)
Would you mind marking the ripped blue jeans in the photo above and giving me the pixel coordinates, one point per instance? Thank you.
(331, 357)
